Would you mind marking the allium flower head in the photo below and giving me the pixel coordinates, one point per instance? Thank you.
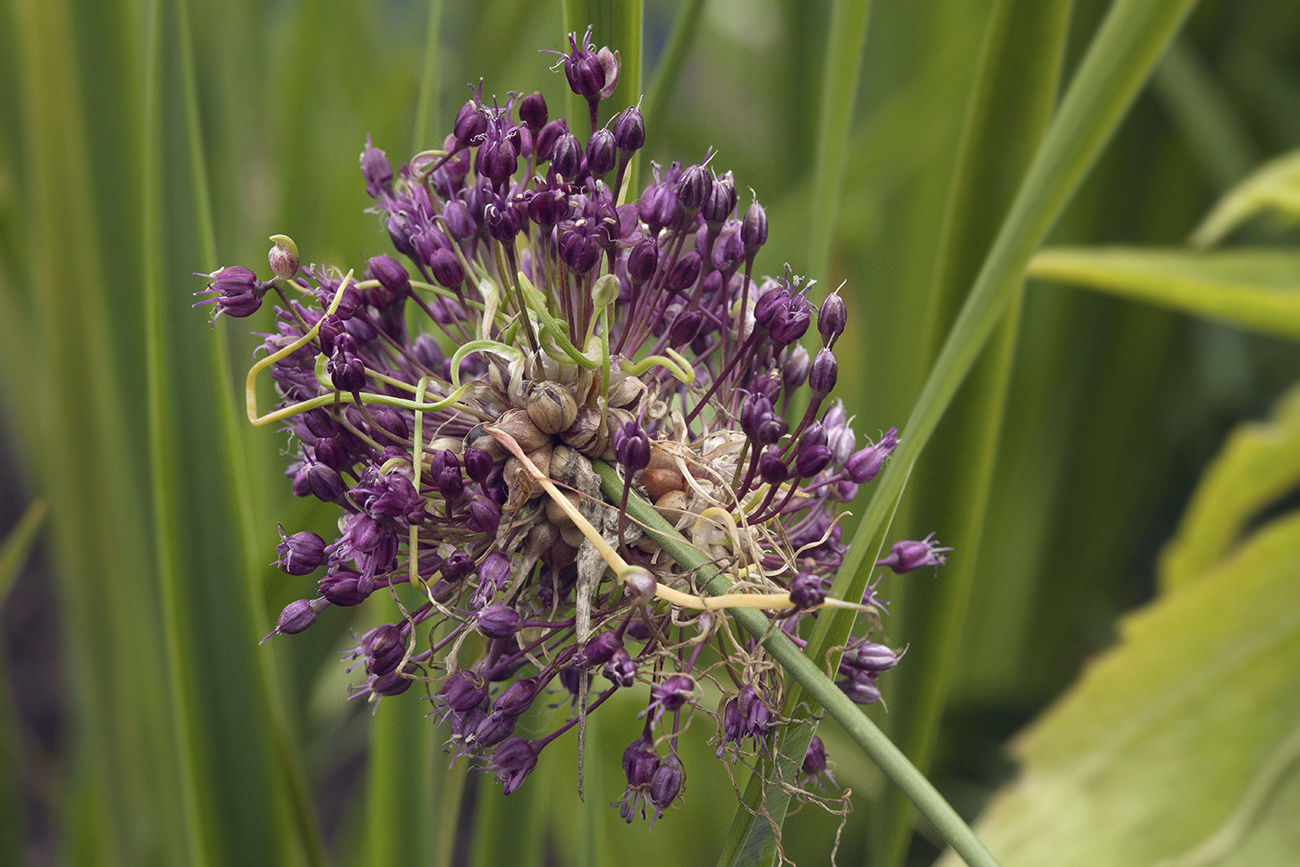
(484, 406)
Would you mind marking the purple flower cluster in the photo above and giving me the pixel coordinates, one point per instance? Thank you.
(458, 408)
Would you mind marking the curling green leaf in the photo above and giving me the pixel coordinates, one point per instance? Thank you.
(1273, 187)
(1259, 464)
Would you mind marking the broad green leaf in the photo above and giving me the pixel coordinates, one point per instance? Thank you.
(1274, 186)
(1168, 739)
(1257, 289)
(1259, 464)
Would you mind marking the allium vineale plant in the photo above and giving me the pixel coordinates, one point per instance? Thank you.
(483, 415)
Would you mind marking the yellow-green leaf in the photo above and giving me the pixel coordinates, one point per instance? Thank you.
(1179, 743)
(1257, 289)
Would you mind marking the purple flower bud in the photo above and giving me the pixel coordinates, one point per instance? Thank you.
(602, 152)
(685, 271)
(721, 199)
(497, 160)
(384, 649)
(753, 230)
(642, 260)
(378, 173)
(629, 130)
(548, 207)
(392, 421)
(795, 367)
(512, 761)
(478, 464)
(544, 147)
(814, 761)
(610, 66)
(494, 571)
(346, 369)
(462, 692)
(469, 125)
(825, 370)
(342, 589)
(567, 160)
(773, 303)
(728, 251)
(760, 422)
(811, 460)
(319, 423)
(790, 322)
(460, 223)
(621, 669)
(771, 466)
(321, 481)
(297, 616)
(671, 694)
(807, 591)
(457, 567)
(331, 327)
(579, 251)
(390, 274)
(666, 784)
(694, 187)
(494, 729)
(601, 649)
(446, 269)
(450, 483)
(831, 319)
(869, 656)
(640, 762)
(517, 698)
(498, 621)
(813, 435)
(390, 684)
(631, 446)
(906, 556)
(235, 291)
(300, 553)
(863, 466)
(861, 689)
(641, 583)
(685, 327)
(532, 111)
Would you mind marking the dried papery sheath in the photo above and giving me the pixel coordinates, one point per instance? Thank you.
(463, 401)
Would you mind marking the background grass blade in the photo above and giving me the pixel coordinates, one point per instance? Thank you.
(751, 839)
(1011, 102)
(1116, 65)
(846, 40)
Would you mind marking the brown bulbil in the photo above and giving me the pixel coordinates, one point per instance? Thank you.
(556, 514)
(551, 406)
(479, 438)
(672, 505)
(586, 434)
(658, 482)
(519, 425)
(572, 536)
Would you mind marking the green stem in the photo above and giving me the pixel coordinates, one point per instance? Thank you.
(814, 681)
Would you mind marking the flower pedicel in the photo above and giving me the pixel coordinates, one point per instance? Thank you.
(483, 416)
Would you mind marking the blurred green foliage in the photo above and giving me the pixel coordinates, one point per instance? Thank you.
(142, 142)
